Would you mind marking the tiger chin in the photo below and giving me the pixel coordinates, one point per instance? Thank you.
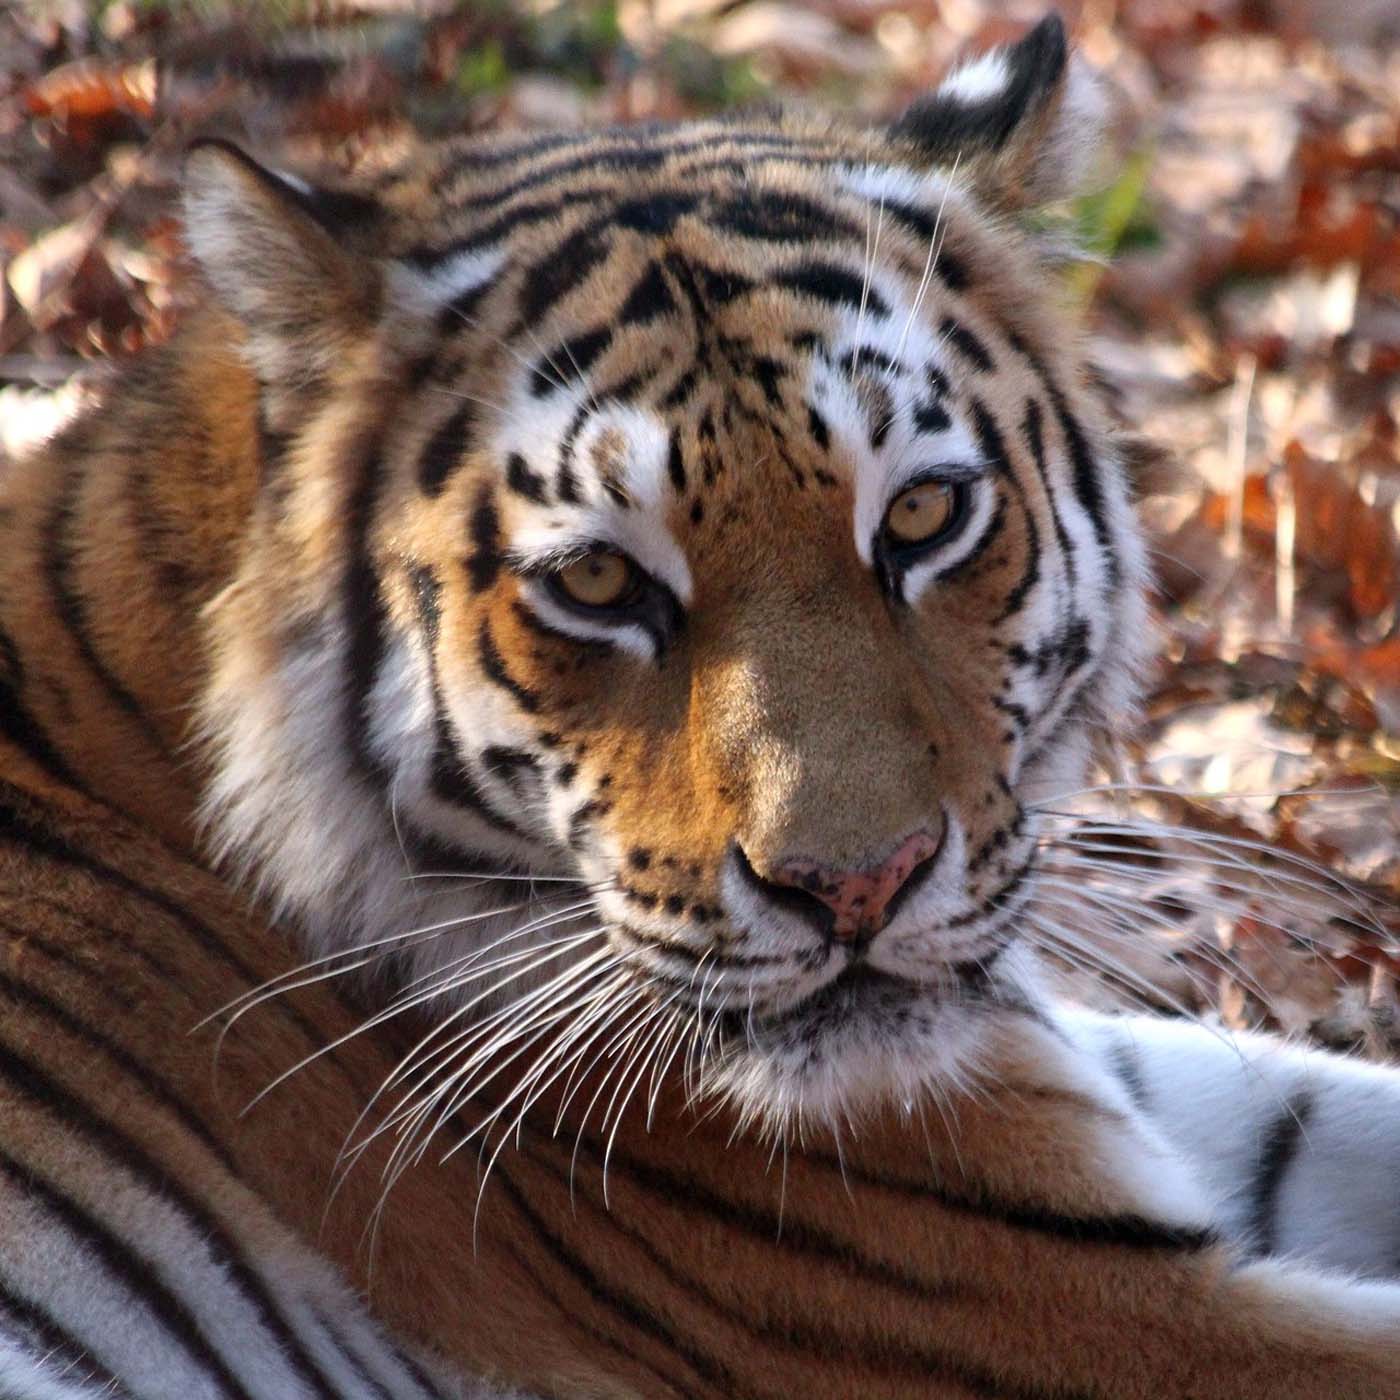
(624, 603)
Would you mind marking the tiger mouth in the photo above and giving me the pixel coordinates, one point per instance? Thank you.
(861, 992)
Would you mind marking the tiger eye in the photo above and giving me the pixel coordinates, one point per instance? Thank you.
(919, 513)
(598, 580)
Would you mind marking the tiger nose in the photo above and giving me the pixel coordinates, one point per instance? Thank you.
(859, 899)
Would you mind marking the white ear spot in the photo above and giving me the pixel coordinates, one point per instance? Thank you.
(978, 80)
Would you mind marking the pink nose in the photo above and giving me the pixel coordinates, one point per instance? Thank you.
(858, 898)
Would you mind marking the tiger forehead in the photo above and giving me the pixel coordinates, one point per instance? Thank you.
(482, 191)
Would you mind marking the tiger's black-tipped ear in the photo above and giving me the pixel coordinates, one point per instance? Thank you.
(1025, 120)
(265, 243)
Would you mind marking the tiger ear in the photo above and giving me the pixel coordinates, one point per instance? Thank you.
(1025, 121)
(265, 242)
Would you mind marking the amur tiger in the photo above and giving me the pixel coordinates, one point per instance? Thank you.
(599, 619)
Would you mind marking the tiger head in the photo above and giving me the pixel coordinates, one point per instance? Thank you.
(704, 524)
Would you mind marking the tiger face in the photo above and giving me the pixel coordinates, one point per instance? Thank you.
(710, 518)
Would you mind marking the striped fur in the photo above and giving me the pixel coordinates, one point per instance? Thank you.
(281, 648)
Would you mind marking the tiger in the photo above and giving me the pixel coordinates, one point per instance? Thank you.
(559, 667)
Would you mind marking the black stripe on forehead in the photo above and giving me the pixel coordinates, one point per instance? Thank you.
(834, 284)
(426, 256)
(569, 361)
(562, 270)
(779, 216)
(639, 150)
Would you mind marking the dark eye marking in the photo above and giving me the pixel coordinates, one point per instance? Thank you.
(493, 666)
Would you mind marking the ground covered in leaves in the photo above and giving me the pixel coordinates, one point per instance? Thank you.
(1247, 317)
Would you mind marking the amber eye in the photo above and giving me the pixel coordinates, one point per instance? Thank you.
(598, 580)
(917, 515)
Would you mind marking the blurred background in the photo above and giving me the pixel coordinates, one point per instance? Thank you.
(1243, 860)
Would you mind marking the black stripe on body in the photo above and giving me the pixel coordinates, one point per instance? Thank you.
(522, 216)
(931, 417)
(110, 1253)
(451, 781)
(71, 607)
(131, 947)
(1279, 1148)
(53, 1348)
(22, 729)
(626, 389)
(868, 357)
(656, 213)
(675, 463)
(924, 224)
(157, 1181)
(414, 1371)
(1123, 1231)
(22, 940)
(879, 1355)
(507, 763)
(569, 1313)
(150, 1083)
(581, 818)
(371, 1388)
(16, 828)
(632, 1311)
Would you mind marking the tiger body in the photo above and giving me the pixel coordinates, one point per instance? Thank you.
(312, 628)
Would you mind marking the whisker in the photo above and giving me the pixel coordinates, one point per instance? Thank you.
(395, 1008)
(931, 261)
